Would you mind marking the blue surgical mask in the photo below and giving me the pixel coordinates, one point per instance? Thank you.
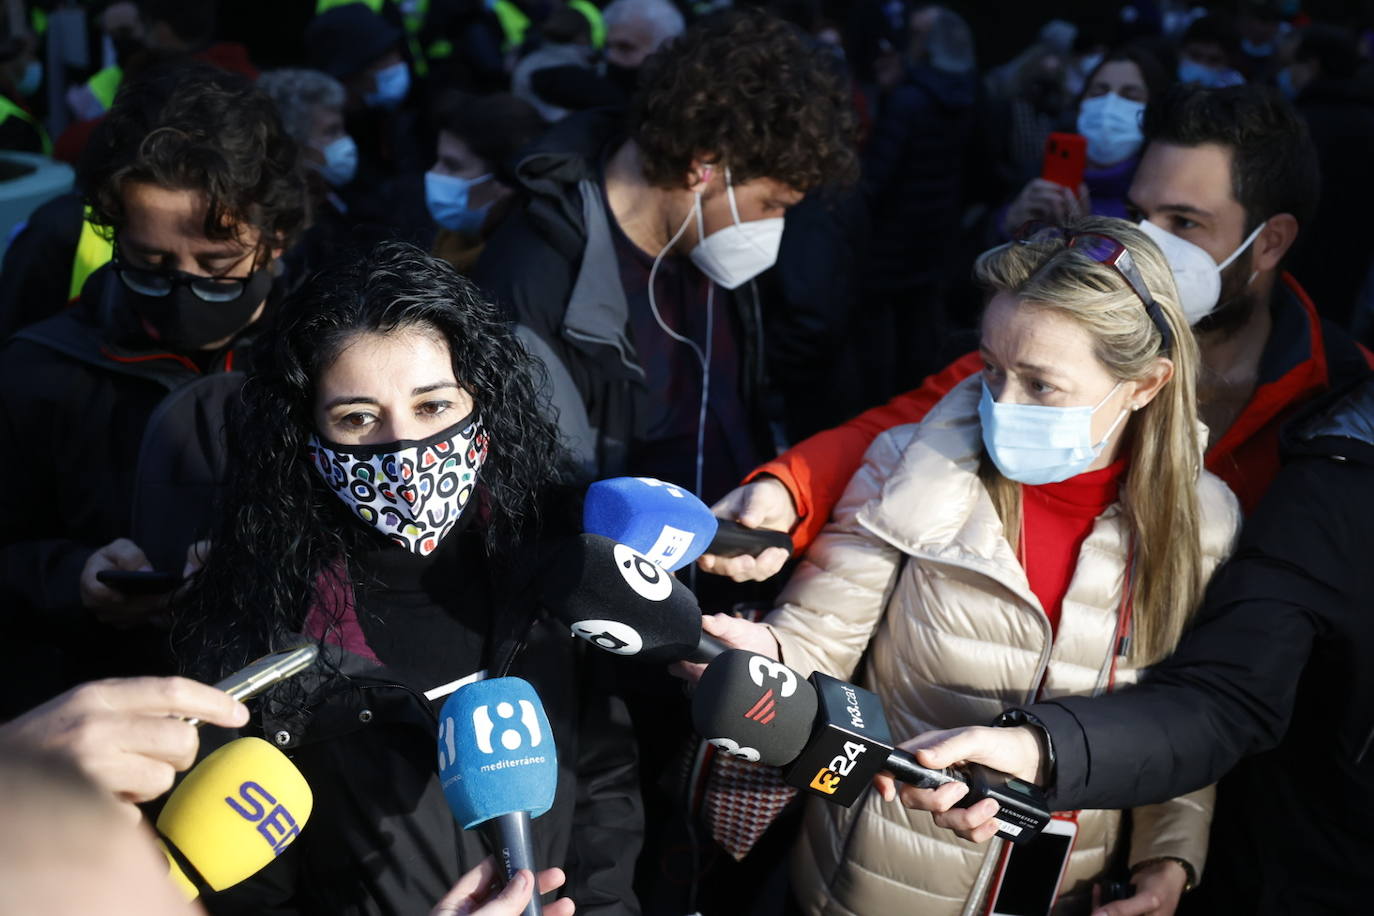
(340, 161)
(447, 199)
(1111, 124)
(1190, 71)
(32, 78)
(1033, 444)
(393, 83)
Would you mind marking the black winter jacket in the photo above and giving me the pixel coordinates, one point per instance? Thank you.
(104, 437)
(1276, 668)
(913, 177)
(381, 838)
(552, 265)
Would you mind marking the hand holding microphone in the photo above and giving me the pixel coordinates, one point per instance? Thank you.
(1017, 751)
(671, 527)
(762, 505)
(498, 766)
(233, 814)
(832, 739)
(476, 893)
(129, 735)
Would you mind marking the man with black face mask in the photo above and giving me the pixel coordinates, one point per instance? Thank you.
(113, 409)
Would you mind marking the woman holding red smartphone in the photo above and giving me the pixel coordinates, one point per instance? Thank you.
(1108, 118)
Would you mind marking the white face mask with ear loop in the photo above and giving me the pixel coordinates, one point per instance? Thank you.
(1196, 274)
(736, 254)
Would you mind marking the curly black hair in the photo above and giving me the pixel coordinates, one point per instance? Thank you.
(745, 88)
(282, 538)
(189, 126)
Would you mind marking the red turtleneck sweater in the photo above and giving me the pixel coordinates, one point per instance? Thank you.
(1056, 520)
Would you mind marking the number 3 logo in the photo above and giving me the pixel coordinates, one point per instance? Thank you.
(760, 667)
(732, 749)
(826, 781)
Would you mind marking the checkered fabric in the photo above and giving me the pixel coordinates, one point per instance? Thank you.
(742, 799)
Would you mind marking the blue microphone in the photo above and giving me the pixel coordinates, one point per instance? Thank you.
(497, 763)
(662, 521)
(667, 525)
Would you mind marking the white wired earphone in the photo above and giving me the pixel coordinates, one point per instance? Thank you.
(703, 357)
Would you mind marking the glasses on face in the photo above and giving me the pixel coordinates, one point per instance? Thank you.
(1107, 251)
(160, 283)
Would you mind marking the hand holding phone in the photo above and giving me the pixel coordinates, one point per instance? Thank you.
(1066, 159)
(139, 581)
(258, 675)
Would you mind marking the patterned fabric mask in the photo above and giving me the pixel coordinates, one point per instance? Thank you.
(413, 490)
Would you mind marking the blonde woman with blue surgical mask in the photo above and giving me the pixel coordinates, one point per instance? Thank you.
(1047, 530)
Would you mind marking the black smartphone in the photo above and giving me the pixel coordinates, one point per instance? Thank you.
(139, 581)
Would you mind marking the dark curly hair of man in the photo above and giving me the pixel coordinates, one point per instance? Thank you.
(745, 89)
(190, 126)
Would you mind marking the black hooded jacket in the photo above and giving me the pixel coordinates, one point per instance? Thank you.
(553, 265)
(1275, 669)
(381, 838)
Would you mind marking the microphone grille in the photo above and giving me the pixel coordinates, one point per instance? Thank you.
(755, 708)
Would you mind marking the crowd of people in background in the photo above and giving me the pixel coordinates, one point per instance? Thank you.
(809, 260)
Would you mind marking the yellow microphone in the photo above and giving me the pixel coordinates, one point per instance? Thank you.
(235, 812)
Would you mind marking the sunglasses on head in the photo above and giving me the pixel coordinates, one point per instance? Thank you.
(1107, 251)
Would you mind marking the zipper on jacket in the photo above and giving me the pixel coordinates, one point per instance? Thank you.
(1028, 600)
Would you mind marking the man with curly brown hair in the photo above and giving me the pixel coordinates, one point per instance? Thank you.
(630, 266)
(118, 400)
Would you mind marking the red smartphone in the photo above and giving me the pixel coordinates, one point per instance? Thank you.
(1066, 158)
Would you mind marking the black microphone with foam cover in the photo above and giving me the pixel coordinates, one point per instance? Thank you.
(754, 708)
(620, 602)
(831, 738)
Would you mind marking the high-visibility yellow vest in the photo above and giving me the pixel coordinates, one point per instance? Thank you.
(10, 109)
(105, 84)
(593, 16)
(514, 24)
(93, 251)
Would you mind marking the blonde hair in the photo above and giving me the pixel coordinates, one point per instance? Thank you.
(1159, 493)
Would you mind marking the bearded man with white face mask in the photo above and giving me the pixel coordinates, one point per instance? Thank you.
(630, 266)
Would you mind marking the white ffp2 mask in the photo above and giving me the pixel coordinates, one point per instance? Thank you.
(740, 252)
(1196, 275)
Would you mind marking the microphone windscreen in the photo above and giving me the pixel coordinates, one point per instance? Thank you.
(177, 876)
(754, 708)
(236, 811)
(662, 521)
(613, 597)
(496, 751)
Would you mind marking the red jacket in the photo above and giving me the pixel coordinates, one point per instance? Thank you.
(1304, 357)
